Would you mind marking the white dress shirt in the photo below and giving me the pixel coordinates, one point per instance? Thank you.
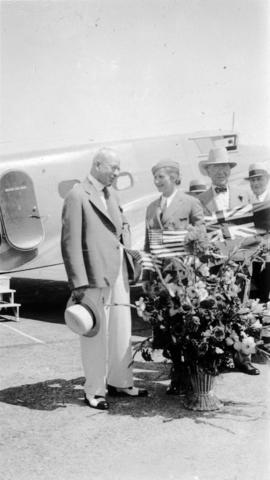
(222, 199)
(99, 187)
(166, 201)
(262, 197)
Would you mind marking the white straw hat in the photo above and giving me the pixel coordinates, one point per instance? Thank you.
(216, 156)
(82, 318)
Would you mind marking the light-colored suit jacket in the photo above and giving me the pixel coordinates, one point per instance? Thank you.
(182, 211)
(236, 197)
(90, 241)
(266, 199)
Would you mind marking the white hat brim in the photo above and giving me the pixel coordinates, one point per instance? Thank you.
(204, 164)
(82, 318)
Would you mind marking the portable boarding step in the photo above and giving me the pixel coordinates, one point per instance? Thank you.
(7, 298)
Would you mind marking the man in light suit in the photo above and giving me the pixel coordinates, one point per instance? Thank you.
(259, 181)
(221, 195)
(173, 210)
(93, 232)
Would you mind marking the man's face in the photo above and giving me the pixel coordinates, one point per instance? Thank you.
(219, 174)
(259, 184)
(108, 170)
(163, 182)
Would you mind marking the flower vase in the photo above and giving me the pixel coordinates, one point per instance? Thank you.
(203, 398)
(180, 379)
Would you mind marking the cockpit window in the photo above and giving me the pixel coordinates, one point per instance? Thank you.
(205, 143)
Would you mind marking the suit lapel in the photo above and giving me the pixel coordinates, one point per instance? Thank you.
(173, 207)
(235, 197)
(158, 213)
(209, 202)
(153, 215)
(95, 199)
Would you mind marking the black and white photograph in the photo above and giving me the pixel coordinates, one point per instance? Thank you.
(134, 239)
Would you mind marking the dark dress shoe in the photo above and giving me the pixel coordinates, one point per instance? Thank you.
(249, 369)
(127, 392)
(97, 402)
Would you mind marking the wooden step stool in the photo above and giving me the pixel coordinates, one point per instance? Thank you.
(7, 298)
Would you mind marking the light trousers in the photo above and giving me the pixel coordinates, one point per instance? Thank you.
(106, 357)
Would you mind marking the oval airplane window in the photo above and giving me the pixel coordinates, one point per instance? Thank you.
(19, 210)
(124, 181)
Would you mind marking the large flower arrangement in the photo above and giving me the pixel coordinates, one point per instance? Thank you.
(198, 307)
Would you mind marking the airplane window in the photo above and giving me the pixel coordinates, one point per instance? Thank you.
(19, 211)
(124, 181)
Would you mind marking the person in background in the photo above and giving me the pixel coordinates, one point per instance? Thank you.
(93, 233)
(223, 196)
(196, 187)
(259, 181)
(172, 210)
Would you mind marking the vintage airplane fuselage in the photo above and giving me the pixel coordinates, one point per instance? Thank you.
(33, 185)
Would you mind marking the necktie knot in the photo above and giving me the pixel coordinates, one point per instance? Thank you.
(106, 193)
(220, 189)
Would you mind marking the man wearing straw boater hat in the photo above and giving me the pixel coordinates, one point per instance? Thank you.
(93, 233)
(221, 195)
(259, 181)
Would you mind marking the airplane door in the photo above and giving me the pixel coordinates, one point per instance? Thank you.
(21, 222)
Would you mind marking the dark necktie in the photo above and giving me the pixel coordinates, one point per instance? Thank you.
(220, 189)
(163, 208)
(106, 193)
(113, 210)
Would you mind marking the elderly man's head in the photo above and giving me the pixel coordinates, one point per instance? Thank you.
(258, 176)
(105, 166)
(166, 176)
(218, 166)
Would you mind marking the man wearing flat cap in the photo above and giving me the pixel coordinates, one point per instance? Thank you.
(221, 195)
(259, 180)
(173, 210)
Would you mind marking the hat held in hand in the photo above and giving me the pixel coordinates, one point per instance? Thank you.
(217, 156)
(82, 318)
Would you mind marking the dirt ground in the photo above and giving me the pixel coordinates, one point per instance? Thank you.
(47, 433)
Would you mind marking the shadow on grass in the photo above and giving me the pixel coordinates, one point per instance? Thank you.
(59, 393)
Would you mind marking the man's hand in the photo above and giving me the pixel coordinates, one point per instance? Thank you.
(78, 294)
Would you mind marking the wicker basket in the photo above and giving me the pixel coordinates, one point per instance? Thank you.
(203, 398)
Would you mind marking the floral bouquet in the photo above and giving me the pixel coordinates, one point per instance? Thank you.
(198, 309)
